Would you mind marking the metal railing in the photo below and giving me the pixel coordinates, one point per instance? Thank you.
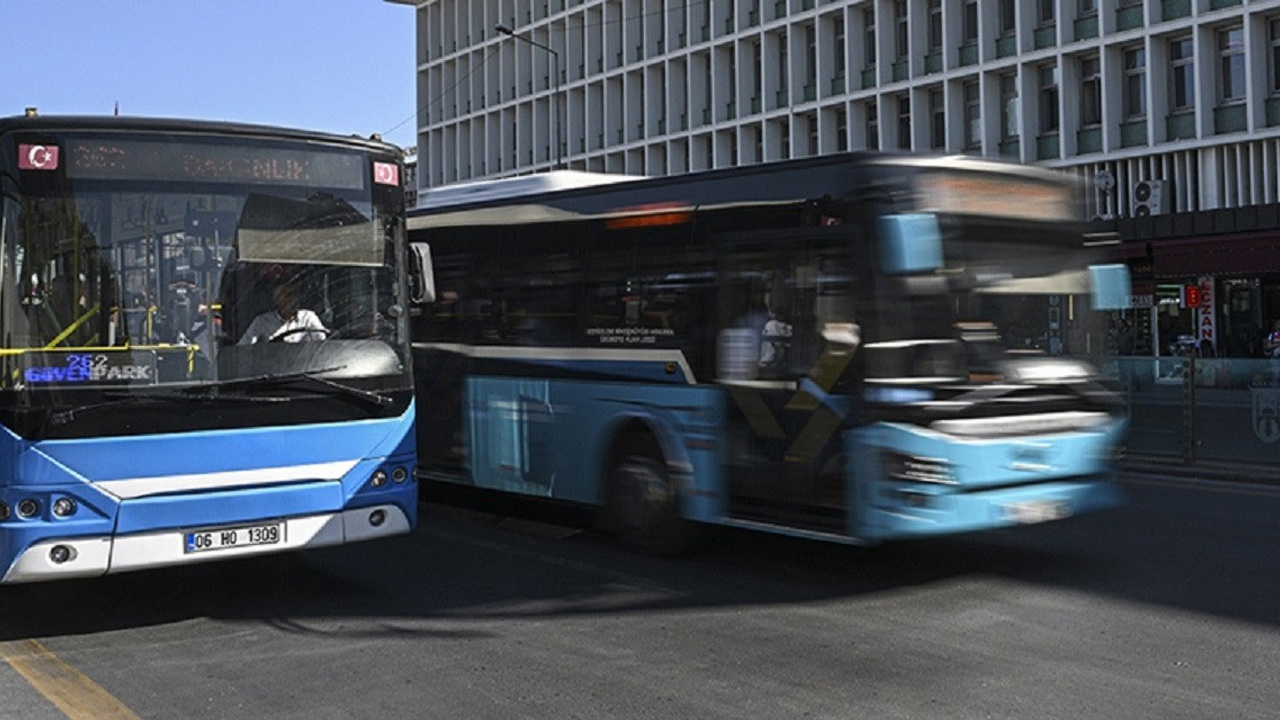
(1201, 410)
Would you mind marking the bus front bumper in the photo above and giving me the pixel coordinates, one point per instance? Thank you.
(56, 559)
(946, 513)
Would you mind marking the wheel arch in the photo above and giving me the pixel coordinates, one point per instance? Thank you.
(624, 425)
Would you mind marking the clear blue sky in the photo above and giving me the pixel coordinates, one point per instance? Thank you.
(343, 66)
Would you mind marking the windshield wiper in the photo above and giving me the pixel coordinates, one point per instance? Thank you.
(62, 417)
(205, 393)
(310, 376)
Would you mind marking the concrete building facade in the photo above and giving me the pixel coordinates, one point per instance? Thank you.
(1169, 110)
(1183, 91)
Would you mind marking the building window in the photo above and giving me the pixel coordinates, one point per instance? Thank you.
(1008, 19)
(810, 54)
(706, 86)
(972, 116)
(782, 63)
(1045, 11)
(1231, 60)
(1275, 56)
(842, 130)
(935, 25)
(840, 50)
(969, 31)
(869, 37)
(1182, 74)
(937, 120)
(1009, 106)
(757, 64)
(1048, 99)
(904, 122)
(873, 126)
(1090, 92)
(1087, 8)
(901, 34)
(1135, 83)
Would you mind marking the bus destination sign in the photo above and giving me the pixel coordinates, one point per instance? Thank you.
(103, 159)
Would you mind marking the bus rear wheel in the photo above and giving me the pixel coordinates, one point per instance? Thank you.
(643, 503)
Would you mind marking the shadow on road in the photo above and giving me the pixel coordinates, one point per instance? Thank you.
(1199, 550)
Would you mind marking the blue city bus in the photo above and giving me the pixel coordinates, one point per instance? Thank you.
(856, 347)
(142, 423)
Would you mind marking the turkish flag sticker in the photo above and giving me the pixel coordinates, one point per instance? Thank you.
(37, 157)
(386, 173)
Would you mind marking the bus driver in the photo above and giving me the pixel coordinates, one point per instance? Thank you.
(287, 321)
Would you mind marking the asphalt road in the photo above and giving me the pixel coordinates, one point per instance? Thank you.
(1166, 608)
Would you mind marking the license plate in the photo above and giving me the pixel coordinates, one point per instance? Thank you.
(1036, 511)
(232, 537)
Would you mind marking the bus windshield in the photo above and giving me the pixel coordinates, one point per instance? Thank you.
(137, 262)
(1008, 286)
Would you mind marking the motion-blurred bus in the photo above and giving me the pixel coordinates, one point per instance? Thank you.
(854, 347)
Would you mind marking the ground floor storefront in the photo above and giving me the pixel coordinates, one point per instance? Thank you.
(1208, 294)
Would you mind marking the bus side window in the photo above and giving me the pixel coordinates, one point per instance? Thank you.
(785, 301)
(652, 298)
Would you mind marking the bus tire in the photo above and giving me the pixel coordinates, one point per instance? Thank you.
(643, 501)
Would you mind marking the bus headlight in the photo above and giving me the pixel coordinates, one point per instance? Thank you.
(399, 475)
(28, 508)
(912, 468)
(63, 507)
(1046, 370)
(4, 511)
(379, 479)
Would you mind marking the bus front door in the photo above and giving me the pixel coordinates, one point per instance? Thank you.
(786, 344)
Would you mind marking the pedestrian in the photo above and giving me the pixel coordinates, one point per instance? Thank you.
(1125, 338)
(1271, 348)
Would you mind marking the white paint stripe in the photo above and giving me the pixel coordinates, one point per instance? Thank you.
(142, 487)
(500, 352)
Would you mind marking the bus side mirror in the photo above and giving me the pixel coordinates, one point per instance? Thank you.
(422, 278)
(1110, 287)
(910, 243)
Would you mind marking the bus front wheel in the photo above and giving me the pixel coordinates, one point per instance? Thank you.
(643, 503)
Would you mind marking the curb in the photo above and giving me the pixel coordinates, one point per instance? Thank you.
(1208, 471)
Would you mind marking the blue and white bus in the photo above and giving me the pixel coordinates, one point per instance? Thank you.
(855, 347)
(142, 424)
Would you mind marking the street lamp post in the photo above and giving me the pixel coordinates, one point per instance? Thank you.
(555, 94)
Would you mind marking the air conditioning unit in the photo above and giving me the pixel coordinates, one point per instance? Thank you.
(1149, 198)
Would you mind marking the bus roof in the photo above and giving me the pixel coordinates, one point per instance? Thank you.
(55, 123)
(524, 185)
(785, 182)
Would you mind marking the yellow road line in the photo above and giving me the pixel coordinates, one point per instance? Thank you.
(70, 690)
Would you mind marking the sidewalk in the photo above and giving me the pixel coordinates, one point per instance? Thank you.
(1201, 470)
